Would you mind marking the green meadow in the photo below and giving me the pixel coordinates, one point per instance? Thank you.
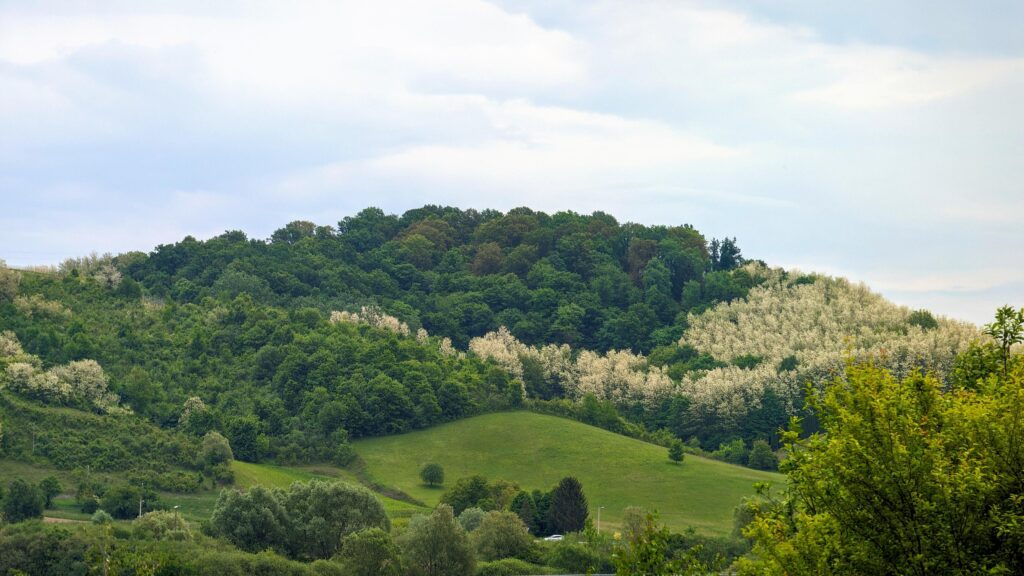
(535, 451)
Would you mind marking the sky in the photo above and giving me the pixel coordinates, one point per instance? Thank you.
(875, 140)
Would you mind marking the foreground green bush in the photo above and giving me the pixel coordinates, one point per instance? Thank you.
(511, 567)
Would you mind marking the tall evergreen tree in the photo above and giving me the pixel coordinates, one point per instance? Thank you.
(524, 506)
(568, 511)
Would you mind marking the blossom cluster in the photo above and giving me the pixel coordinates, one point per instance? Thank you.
(79, 382)
(618, 375)
(37, 306)
(372, 316)
(377, 318)
(818, 325)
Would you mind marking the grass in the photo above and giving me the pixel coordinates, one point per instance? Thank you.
(536, 451)
(198, 506)
(248, 475)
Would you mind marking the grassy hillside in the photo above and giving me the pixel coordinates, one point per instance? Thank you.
(536, 451)
(198, 506)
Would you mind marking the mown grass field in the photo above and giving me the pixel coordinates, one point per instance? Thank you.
(536, 451)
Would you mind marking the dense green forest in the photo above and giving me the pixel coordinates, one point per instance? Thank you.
(587, 281)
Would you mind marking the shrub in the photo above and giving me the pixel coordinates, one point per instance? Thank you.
(471, 518)
(214, 450)
(161, 525)
(501, 535)
(509, 567)
(734, 452)
(436, 545)
(762, 457)
(370, 552)
(675, 451)
(23, 501)
(576, 558)
(101, 517)
(122, 501)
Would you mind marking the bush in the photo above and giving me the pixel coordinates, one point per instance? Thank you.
(762, 457)
(122, 501)
(38, 548)
(675, 451)
(90, 505)
(436, 545)
(370, 552)
(501, 535)
(101, 517)
(161, 525)
(222, 474)
(466, 493)
(471, 518)
(214, 450)
(734, 452)
(23, 501)
(307, 521)
(576, 558)
(510, 567)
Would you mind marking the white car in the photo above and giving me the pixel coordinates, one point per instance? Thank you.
(554, 538)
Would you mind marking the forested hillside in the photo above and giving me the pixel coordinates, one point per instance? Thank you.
(285, 384)
(383, 324)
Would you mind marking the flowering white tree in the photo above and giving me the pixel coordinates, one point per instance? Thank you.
(619, 376)
(372, 316)
(81, 383)
(817, 323)
(37, 306)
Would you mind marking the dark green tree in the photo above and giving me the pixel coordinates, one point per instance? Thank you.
(432, 474)
(50, 487)
(321, 513)
(23, 501)
(762, 457)
(524, 507)
(568, 509)
(252, 520)
(123, 501)
(466, 492)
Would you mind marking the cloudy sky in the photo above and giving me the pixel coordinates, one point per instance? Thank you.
(884, 143)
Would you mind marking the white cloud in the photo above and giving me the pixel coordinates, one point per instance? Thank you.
(530, 151)
(871, 77)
